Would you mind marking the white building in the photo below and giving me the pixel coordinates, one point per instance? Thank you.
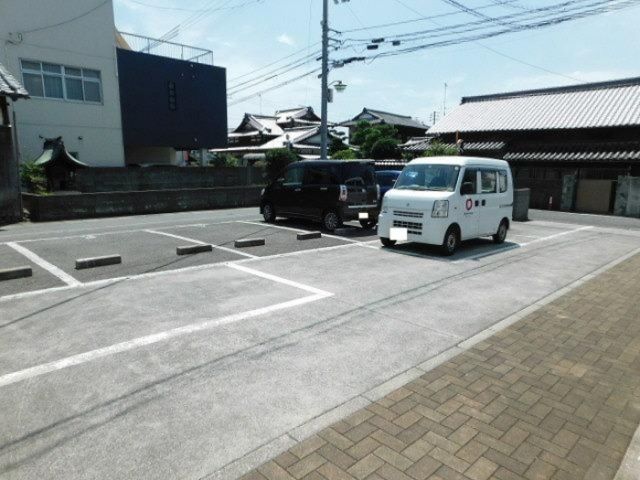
(64, 52)
(110, 95)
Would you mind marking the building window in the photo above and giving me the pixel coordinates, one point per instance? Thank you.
(49, 80)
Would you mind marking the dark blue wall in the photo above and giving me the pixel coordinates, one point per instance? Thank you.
(197, 116)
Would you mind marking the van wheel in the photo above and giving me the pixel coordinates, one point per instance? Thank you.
(331, 220)
(501, 234)
(451, 241)
(368, 223)
(268, 213)
(387, 242)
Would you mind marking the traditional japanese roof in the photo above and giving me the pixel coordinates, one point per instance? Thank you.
(378, 116)
(9, 86)
(607, 152)
(54, 152)
(591, 105)
(302, 115)
(254, 124)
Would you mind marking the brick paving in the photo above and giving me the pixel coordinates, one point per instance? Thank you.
(554, 396)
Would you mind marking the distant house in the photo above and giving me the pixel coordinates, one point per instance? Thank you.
(10, 90)
(407, 127)
(572, 145)
(255, 130)
(295, 128)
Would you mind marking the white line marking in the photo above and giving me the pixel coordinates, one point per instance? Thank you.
(128, 345)
(118, 232)
(281, 280)
(193, 240)
(568, 232)
(41, 262)
(297, 230)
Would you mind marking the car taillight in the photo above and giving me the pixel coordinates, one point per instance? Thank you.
(378, 191)
(343, 193)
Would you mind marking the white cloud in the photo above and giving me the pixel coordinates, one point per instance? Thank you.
(286, 39)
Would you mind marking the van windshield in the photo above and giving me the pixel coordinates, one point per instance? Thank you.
(440, 178)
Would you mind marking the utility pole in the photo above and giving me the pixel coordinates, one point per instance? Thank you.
(444, 101)
(324, 125)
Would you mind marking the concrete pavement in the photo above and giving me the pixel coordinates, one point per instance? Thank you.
(189, 373)
(555, 395)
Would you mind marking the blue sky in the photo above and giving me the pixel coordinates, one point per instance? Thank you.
(248, 34)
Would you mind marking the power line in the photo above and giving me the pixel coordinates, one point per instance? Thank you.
(421, 19)
(162, 7)
(274, 87)
(540, 24)
(500, 53)
(88, 12)
(274, 62)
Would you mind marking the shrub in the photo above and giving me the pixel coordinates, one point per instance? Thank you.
(33, 178)
(346, 154)
(385, 148)
(225, 160)
(439, 149)
(276, 160)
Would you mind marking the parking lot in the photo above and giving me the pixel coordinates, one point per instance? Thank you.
(177, 366)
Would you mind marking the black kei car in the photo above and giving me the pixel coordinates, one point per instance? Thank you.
(329, 191)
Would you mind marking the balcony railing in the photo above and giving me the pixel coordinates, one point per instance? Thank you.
(154, 46)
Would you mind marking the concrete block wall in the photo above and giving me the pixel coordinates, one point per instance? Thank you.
(93, 180)
(106, 204)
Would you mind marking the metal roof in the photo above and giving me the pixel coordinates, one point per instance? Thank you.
(9, 86)
(593, 105)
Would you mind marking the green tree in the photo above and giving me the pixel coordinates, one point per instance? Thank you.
(366, 135)
(385, 148)
(336, 145)
(276, 160)
(346, 154)
(439, 149)
(33, 177)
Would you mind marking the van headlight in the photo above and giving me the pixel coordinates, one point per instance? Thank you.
(385, 206)
(440, 209)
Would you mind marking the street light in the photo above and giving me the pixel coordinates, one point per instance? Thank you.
(339, 87)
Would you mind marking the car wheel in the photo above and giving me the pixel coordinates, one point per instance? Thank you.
(331, 220)
(501, 234)
(268, 213)
(368, 223)
(451, 241)
(387, 242)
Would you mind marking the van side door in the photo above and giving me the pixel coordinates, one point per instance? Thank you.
(469, 204)
(489, 202)
(290, 195)
(320, 189)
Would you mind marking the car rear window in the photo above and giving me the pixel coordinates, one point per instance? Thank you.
(358, 174)
(386, 180)
(321, 175)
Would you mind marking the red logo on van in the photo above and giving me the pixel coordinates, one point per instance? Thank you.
(469, 204)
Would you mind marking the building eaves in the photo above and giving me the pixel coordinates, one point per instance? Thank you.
(9, 86)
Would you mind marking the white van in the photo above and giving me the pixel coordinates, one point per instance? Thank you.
(444, 200)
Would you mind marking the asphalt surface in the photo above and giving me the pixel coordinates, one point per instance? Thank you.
(174, 367)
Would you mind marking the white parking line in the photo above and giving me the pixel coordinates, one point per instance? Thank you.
(73, 360)
(198, 242)
(41, 262)
(302, 230)
(568, 232)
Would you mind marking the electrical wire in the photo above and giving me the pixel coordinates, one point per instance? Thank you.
(59, 24)
(274, 87)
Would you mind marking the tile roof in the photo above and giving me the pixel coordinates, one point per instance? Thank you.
(605, 153)
(592, 105)
(9, 86)
(388, 118)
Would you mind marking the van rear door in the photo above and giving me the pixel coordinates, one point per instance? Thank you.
(360, 179)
